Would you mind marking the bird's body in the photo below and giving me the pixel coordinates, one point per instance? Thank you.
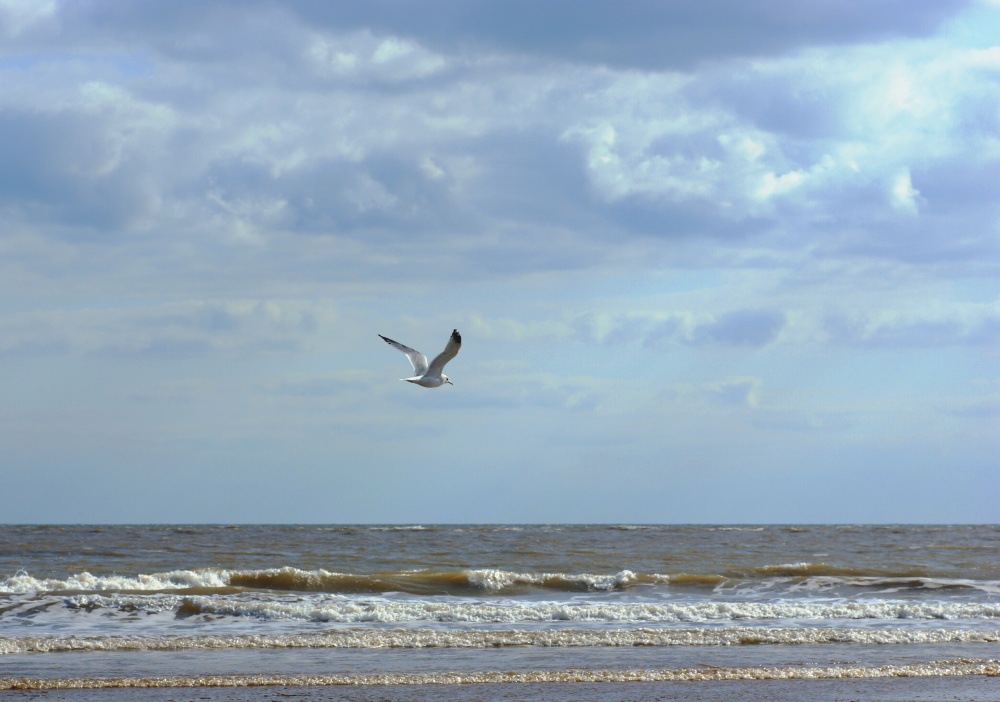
(429, 375)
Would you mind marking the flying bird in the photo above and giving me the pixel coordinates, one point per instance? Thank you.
(429, 376)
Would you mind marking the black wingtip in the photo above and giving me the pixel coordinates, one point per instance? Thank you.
(455, 336)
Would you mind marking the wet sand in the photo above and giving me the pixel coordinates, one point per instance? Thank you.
(966, 688)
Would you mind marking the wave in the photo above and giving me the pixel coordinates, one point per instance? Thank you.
(417, 582)
(342, 610)
(430, 582)
(22, 583)
(794, 577)
(367, 638)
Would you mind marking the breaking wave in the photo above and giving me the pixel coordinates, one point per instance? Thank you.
(381, 610)
(417, 582)
(794, 577)
(475, 638)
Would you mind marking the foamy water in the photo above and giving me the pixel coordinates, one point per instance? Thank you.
(587, 603)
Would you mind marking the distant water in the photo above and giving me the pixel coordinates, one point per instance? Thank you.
(157, 606)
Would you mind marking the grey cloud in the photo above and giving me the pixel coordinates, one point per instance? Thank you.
(324, 195)
(645, 34)
(954, 223)
(68, 168)
(737, 392)
(174, 330)
(525, 190)
(628, 330)
(617, 329)
(692, 218)
(530, 175)
(665, 332)
(981, 328)
(955, 183)
(181, 29)
(734, 328)
(742, 328)
(934, 333)
(525, 199)
(774, 102)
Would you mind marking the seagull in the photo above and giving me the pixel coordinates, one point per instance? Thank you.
(429, 376)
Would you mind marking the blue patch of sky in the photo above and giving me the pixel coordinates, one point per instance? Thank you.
(132, 64)
(976, 27)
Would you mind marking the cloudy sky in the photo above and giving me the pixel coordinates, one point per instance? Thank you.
(732, 261)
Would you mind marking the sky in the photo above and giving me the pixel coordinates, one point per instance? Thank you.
(732, 261)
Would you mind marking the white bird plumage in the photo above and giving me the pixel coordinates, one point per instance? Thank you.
(429, 375)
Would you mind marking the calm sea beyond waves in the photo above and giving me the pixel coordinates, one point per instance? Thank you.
(500, 612)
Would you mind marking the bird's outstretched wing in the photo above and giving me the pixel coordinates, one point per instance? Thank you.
(417, 359)
(450, 351)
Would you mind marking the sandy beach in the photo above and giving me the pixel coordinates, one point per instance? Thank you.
(966, 688)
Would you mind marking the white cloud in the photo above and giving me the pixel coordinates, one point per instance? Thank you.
(364, 56)
(904, 195)
(739, 391)
(938, 325)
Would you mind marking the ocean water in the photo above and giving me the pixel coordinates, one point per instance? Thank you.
(232, 606)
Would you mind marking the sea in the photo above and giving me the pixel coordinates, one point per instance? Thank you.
(501, 611)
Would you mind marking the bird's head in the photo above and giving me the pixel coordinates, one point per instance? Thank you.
(445, 379)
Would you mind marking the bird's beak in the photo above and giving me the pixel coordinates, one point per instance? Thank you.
(449, 382)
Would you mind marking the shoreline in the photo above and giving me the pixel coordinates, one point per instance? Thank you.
(970, 688)
(956, 669)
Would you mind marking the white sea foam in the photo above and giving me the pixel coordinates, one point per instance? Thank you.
(496, 580)
(491, 580)
(791, 578)
(22, 583)
(951, 668)
(469, 638)
(928, 669)
(342, 609)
